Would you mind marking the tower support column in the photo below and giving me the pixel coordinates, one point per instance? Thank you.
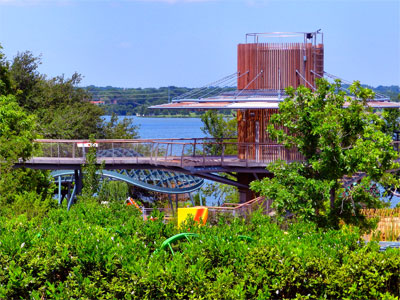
(245, 194)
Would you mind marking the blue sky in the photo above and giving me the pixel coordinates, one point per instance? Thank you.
(190, 43)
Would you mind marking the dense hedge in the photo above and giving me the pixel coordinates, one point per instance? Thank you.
(99, 252)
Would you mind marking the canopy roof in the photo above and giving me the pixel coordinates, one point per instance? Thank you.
(246, 103)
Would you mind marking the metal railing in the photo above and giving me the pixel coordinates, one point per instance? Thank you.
(233, 209)
(242, 209)
(176, 152)
(180, 152)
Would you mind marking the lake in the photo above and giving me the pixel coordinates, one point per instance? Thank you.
(178, 128)
(169, 127)
(160, 128)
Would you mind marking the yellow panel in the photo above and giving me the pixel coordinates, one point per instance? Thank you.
(196, 213)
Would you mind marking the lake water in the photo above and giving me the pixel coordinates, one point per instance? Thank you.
(179, 128)
(169, 127)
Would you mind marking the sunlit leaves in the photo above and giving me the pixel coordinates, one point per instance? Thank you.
(339, 135)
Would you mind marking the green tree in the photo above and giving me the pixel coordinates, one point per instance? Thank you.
(91, 171)
(24, 73)
(63, 109)
(6, 84)
(119, 129)
(16, 143)
(221, 128)
(391, 117)
(338, 136)
(112, 190)
(223, 193)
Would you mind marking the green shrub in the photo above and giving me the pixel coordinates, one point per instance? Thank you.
(111, 190)
(107, 252)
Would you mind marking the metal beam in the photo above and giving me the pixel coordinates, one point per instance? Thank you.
(221, 179)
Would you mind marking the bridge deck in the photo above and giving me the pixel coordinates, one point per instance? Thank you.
(188, 154)
(139, 162)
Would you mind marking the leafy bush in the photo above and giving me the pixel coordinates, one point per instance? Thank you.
(107, 252)
(112, 190)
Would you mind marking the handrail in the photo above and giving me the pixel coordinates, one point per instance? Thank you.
(241, 205)
(43, 141)
(177, 152)
(126, 140)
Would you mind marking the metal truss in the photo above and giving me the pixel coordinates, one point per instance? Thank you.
(167, 182)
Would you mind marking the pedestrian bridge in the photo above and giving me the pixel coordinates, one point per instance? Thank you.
(201, 157)
(185, 154)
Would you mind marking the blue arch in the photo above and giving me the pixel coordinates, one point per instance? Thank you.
(152, 180)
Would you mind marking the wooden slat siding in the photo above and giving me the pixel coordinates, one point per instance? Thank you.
(239, 67)
(256, 83)
(271, 57)
(286, 69)
(293, 67)
(320, 60)
(310, 65)
(272, 65)
(242, 61)
(275, 66)
(306, 66)
(297, 67)
(241, 134)
(251, 65)
(269, 66)
(264, 56)
(291, 64)
(254, 61)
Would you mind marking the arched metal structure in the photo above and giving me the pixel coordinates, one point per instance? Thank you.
(167, 182)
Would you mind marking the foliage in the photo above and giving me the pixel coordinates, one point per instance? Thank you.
(62, 108)
(391, 117)
(120, 129)
(223, 193)
(91, 171)
(107, 252)
(222, 129)
(6, 84)
(219, 127)
(16, 143)
(335, 142)
(112, 190)
(391, 126)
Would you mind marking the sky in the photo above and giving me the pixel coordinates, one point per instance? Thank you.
(128, 43)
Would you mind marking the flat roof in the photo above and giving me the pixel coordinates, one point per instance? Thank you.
(250, 104)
